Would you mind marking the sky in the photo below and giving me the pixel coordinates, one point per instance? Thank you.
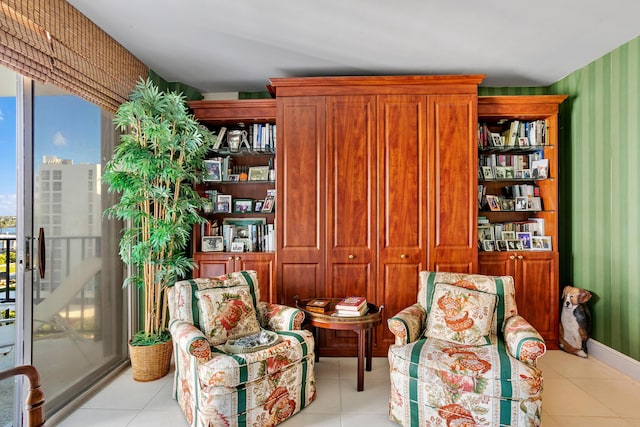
(65, 126)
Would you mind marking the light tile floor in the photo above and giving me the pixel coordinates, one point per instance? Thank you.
(577, 392)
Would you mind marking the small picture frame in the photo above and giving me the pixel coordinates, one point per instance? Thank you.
(501, 172)
(493, 202)
(507, 204)
(237, 246)
(508, 235)
(487, 172)
(223, 204)
(541, 243)
(234, 177)
(242, 205)
(509, 173)
(269, 202)
(534, 204)
(488, 245)
(485, 232)
(257, 207)
(525, 238)
(213, 171)
(521, 203)
(523, 141)
(496, 140)
(501, 245)
(514, 245)
(212, 244)
(259, 173)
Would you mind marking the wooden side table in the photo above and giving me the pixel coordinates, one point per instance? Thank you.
(361, 325)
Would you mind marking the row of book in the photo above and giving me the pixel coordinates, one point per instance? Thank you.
(353, 306)
(518, 197)
(226, 203)
(514, 134)
(260, 137)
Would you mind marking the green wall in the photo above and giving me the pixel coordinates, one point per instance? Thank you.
(600, 160)
(600, 190)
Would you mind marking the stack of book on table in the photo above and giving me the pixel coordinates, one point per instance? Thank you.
(352, 307)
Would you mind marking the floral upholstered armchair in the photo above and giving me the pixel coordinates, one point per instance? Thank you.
(239, 361)
(463, 356)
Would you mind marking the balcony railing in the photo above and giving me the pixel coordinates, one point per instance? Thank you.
(8, 246)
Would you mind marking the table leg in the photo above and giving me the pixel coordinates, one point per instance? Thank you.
(361, 350)
(316, 339)
(369, 349)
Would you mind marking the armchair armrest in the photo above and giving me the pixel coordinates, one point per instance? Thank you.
(279, 317)
(189, 339)
(522, 340)
(408, 324)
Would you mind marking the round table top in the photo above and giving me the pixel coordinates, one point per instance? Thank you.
(372, 316)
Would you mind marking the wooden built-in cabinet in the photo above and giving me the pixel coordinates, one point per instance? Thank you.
(215, 114)
(535, 272)
(376, 180)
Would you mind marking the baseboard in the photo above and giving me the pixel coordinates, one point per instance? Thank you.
(618, 361)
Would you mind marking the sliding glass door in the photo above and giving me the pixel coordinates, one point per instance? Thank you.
(77, 313)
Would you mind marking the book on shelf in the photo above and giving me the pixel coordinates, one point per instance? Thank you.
(317, 305)
(351, 303)
(513, 134)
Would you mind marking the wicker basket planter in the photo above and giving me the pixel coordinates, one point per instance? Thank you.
(150, 362)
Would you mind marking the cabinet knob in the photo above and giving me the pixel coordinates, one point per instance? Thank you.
(237, 258)
(230, 258)
(351, 256)
(404, 256)
(512, 257)
(520, 257)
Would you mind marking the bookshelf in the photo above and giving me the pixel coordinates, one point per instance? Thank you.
(240, 185)
(518, 201)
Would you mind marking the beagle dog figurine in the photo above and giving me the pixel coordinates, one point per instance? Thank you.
(575, 321)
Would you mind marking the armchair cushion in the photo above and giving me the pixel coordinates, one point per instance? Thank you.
(227, 313)
(460, 315)
(522, 340)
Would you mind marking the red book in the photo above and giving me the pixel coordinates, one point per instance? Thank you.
(351, 304)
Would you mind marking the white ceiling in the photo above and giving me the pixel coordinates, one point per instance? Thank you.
(236, 45)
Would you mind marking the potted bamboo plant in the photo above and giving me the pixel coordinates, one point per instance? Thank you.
(159, 158)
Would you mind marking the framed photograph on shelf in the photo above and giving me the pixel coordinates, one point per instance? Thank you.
(521, 203)
(237, 246)
(496, 139)
(501, 245)
(242, 205)
(257, 207)
(493, 202)
(269, 202)
(212, 244)
(541, 243)
(485, 232)
(508, 235)
(488, 245)
(214, 170)
(501, 172)
(222, 204)
(259, 173)
(525, 238)
(234, 177)
(487, 172)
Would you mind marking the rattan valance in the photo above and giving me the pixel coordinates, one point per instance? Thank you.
(52, 42)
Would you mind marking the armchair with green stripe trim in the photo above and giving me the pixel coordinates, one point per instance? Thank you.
(463, 356)
(217, 384)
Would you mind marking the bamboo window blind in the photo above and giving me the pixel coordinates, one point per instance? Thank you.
(52, 42)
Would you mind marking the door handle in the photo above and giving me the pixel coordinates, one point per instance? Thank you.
(42, 253)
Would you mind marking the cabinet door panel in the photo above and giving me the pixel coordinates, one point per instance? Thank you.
(537, 296)
(452, 182)
(212, 265)
(300, 199)
(351, 195)
(263, 264)
(402, 217)
(496, 263)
